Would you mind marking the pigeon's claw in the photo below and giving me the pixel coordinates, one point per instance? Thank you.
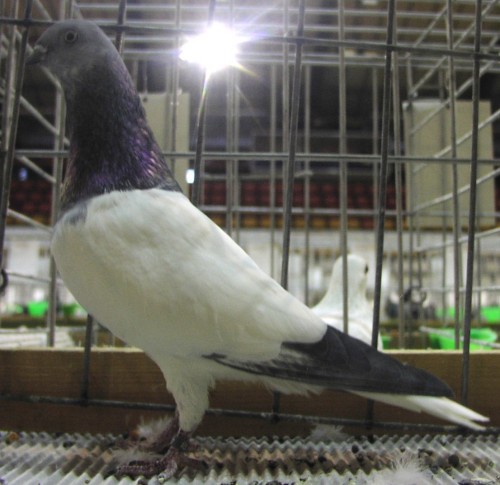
(136, 469)
(175, 459)
(166, 467)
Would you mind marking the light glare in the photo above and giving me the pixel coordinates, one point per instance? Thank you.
(214, 49)
(190, 176)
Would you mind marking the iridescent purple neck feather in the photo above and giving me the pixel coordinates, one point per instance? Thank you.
(111, 145)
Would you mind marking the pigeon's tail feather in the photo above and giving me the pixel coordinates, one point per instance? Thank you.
(441, 407)
(341, 362)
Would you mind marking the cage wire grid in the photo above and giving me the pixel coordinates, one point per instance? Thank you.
(390, 70)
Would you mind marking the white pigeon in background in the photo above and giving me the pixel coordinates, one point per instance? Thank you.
(360, 311)
(162, 276)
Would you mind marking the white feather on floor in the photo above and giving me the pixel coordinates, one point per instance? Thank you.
(145, 433)
(326, 433)
(120, 456)
(405, 470)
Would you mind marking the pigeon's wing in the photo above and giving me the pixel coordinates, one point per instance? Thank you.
(338, 361)
(186, 288)
(182, 284)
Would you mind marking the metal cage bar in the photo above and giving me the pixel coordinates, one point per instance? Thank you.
(295, 42)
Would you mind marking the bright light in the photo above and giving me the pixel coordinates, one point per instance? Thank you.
(214, 49)
(38, 294)
(190, 176)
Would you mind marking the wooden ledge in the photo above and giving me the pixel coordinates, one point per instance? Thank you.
(129, 375)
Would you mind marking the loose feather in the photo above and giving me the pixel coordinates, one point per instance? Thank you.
(405, 470)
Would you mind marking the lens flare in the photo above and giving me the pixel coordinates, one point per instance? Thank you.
(213, 49)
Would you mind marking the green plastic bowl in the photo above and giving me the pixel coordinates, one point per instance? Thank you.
(447, 342)
(491, 314)
(70, 309)
(386, 341)
(37, 309)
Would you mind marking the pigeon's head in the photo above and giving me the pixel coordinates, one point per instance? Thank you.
(68, 47)
(357, 270)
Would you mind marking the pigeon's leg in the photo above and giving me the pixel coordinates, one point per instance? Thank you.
(161, 443)
(153, 441)
(175, 459)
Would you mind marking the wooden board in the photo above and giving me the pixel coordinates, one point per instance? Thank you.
(129, 375)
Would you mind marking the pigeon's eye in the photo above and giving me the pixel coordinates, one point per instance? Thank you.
(366, 269)
(70, 36)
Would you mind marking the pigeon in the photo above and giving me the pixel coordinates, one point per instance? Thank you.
(159, 274)
(360, 312)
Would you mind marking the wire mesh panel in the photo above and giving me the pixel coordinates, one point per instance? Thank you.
(331, 128)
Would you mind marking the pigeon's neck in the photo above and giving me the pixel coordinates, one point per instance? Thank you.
(334, 297)
(111, 145)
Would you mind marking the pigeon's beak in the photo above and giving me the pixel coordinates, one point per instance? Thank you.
(38, 55)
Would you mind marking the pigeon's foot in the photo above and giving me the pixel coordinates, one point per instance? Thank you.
(160, 442)
(155, 437)
(165, 467)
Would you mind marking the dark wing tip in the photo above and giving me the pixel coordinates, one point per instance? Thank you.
(341, 362)
(369, 369)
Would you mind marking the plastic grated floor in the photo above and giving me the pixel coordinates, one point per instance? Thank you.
(43, 459)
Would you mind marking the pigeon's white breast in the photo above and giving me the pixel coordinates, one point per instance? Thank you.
(110, 268)
(163, 277)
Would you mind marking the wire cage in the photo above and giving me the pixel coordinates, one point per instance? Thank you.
(365, 127)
